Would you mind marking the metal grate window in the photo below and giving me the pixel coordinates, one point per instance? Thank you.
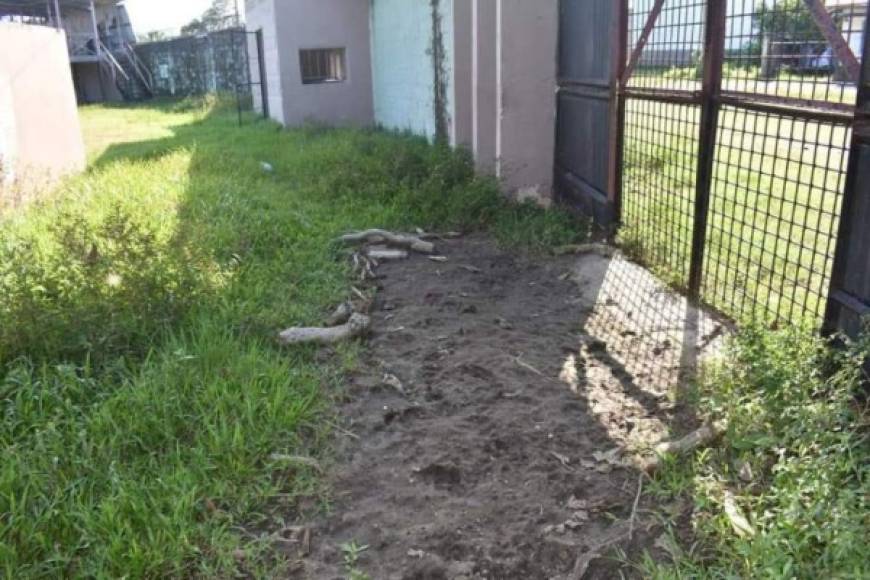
(322, 65)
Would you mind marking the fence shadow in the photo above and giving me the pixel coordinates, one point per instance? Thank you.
(640, 348)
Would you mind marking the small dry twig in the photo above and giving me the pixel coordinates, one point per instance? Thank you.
(341, 429)
(386, 254)
(297, 459)
(581, 565)
(575, 249)
(634, 507)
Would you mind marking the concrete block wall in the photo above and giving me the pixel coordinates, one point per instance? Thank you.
(289, 27)
(479, 74)
(526, 97)
(197, 65)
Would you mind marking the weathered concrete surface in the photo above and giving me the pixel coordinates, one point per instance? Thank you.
(90, 88)
(484, 35)
(40, 135)
(195, 65)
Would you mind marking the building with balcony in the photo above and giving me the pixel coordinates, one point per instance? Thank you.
(100, 41)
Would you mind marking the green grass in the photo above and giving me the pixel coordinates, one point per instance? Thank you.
(796, 458)
(141, 390)
(774, 211)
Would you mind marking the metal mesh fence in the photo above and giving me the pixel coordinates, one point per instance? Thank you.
(660, 163)
(671, 57)
(774, 214)
(766, 231)
(776, 48)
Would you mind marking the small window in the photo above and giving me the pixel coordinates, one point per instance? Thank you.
(323, 65)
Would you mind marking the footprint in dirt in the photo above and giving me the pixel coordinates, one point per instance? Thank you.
(447, 477)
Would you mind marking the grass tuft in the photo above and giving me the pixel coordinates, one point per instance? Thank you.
(796, 457)
(141, 391)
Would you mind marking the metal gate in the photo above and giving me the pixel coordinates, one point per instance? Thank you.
(254, 93)
(587, 147)
(733, 124)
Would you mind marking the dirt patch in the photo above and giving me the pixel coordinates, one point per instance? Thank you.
(494, 455)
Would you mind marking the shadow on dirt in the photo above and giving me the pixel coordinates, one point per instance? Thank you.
(523, 383)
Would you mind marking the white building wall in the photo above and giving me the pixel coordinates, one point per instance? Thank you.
(261, 16)
(404, 52)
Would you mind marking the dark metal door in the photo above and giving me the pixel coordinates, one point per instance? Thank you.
(590, 58)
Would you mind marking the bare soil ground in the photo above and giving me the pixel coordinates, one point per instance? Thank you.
(522, 381)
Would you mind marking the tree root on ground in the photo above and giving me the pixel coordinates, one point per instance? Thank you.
(358, 325)
(703, 436)
(384, 237)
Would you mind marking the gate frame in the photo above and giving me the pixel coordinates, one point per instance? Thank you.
(839, 299)
(711, 100)
(261, 66)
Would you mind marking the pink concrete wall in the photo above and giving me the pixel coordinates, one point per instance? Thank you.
(311, 24)
(527, 97)
(289, 27)
(41, 137)
(505, 99)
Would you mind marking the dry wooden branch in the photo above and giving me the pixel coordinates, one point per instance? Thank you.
(705, 435)
(358, 325)
(383, 236)
(341, 315)
(620, 532)
(385, 254)
(438, 236)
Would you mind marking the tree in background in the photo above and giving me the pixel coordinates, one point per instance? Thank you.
(789, 35)
(787, 21)
(153, 36)
(215, 18)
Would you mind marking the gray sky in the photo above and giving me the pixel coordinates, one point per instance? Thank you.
(148, 15)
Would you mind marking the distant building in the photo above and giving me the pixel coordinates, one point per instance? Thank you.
(852, 17)
(100, 42)
(476, 74)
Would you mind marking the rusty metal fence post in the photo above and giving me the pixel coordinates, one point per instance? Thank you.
(711, 88)
(617, 129)
(848, 305)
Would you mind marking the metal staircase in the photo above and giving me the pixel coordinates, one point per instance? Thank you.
(127, 71)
